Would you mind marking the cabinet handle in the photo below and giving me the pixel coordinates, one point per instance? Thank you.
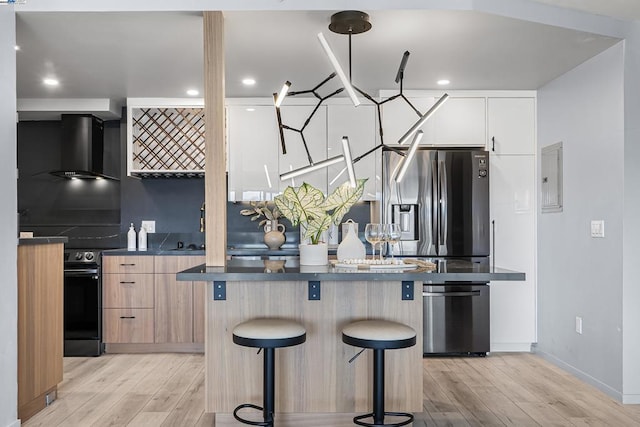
(493, 143)
(127, 265)
(127, 317)
(127, 283)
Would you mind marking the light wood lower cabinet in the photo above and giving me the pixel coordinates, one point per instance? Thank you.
(147, 309)
(40, 325)
(128, 325)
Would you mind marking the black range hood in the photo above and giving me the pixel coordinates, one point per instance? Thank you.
(82, 147)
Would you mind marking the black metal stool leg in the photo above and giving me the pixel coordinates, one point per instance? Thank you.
(378, 386)
(269, 389)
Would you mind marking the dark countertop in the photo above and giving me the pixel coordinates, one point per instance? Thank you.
(257, 270)
(42, 240)
(154, 252)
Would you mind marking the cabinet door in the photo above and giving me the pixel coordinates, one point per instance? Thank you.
(315, 135)
(128, 325)
(359, 125)
(199, 310)
(173, 310)
(254, 144)
(511, 125)
(513, 310)
(127, 264)
(127, 290)
(460, 121)
(398, 117)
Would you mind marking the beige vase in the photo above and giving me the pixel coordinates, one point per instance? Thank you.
(274, 235)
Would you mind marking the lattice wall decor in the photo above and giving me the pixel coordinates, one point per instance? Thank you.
(167, 142)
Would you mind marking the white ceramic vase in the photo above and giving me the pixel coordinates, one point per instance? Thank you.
(314, 254)
(351, 247)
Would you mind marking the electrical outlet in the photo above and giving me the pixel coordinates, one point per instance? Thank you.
(149, 226)
(597, 228)
(579, 325)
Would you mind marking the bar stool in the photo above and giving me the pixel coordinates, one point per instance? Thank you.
(267, 334)
(379, 335)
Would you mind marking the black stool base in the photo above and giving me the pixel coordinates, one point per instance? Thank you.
(266, 423)
(409, 419)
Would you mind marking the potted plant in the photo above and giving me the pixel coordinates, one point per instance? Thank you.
(308, 207)
(273, 231)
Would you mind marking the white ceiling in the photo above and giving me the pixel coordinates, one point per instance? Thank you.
(139, 54)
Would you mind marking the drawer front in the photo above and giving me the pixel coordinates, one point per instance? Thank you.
(127, 264)
(174, 263)
(127, 290)
(128, 325)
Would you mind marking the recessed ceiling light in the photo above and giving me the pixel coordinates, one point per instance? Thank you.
(251, 109)
(443, 82)
(248, 81)
(193, 92)
(51, 82)
(17, 47)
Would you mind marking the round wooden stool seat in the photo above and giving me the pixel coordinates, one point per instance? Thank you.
(269, 333)
(379, 334)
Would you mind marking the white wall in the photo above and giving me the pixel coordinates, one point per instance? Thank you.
(579, 275)
(8, 219)
(631, 239)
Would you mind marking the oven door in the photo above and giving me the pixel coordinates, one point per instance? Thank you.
(82, 312)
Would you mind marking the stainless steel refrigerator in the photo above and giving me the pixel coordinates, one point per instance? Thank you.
(442, 206)
(442, 203)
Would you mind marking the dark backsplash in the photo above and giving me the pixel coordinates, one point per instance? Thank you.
(97, 214)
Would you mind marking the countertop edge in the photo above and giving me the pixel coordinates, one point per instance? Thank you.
(44, 240)
(197, 274)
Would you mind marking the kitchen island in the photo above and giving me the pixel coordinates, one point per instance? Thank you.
(316, 377)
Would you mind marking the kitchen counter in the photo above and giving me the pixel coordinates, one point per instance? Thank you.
(42, 240)
(154, 252)
(266, 270)
(315, 378)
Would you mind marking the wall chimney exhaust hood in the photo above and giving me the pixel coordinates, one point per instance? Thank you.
(82, 147)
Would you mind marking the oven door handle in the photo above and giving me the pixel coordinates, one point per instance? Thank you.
(75, 272)
(452, 294)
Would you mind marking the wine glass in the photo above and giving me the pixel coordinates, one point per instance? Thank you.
(393, 236)
(372, 233)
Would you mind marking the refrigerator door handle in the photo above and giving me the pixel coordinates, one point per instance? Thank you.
(442, 171)
(435, 200)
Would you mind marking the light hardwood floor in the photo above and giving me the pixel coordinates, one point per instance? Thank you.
(168, 390)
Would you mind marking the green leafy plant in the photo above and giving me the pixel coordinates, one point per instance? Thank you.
(259, 210)
(306, 205)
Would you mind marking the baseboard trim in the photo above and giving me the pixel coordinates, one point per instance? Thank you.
(518, 347)
(16, 423)
(605, 388)
(631, 399)
(154, 348)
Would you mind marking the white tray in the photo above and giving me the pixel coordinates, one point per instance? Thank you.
(377, 266)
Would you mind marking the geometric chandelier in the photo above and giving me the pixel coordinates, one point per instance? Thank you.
(350, 22)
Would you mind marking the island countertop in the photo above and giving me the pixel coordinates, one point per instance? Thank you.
(285, 270)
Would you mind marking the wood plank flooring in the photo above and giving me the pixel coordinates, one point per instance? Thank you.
(509, 389)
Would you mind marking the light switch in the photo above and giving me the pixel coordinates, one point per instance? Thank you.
(597, 228)
(149, 226)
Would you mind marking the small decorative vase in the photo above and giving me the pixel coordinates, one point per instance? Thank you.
(351, 247)
(314, 254)
(274, 234)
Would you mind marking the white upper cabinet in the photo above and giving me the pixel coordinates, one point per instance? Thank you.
(460, 121)
(315, 135)
(253, 143)
(511, 125)
(398, 117)
(359, 125)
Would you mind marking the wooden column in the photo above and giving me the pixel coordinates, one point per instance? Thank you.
(215, 146)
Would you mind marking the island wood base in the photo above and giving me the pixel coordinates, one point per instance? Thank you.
(314, 377)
